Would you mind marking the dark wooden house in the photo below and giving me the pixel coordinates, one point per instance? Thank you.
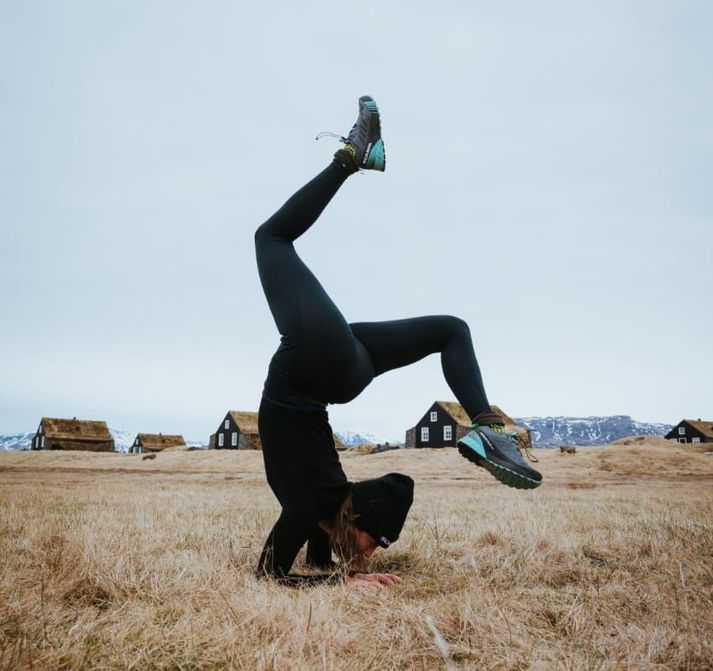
(446, 422)
(155, 442)
(692, 431)
(237, 431)
(73, 434)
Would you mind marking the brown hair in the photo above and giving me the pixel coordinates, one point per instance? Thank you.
(343, 535)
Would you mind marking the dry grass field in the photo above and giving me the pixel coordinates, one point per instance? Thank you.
(112, 562)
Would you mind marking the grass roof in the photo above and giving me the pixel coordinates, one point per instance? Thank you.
(75, 429)
(704, 426)
(456, 411)
(160, 441)
(246, 421)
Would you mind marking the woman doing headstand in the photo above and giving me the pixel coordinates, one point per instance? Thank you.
(323, 359)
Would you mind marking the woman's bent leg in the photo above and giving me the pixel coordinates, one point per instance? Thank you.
(393, 344)
(316, 340)
(283, 275)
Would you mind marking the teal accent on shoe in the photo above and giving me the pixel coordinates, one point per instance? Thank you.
(474, 443)
(377, 156)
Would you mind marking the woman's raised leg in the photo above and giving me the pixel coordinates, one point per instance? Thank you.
(398, 343)
(283, 275)
(318, 351)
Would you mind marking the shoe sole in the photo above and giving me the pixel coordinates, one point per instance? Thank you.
(374, 156)
(474, 451)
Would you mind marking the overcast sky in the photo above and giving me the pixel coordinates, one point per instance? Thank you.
(548, 180)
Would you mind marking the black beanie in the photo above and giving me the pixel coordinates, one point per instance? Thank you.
(381, 506)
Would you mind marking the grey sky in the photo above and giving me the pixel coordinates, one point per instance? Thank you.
(548, 180)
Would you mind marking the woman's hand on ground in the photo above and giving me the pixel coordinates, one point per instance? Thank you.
(373, 581)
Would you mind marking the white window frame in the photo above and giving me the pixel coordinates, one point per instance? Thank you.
(234, 439)
(681, 440)
(221, 439)
(448, 432)
(227, 424)
(434, 416)
(42, 443)
(681, 430)
(424, 434)
(696, 440)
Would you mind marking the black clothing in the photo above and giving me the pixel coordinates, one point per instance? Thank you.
(304, 472)
(323, 359)
(381, 506)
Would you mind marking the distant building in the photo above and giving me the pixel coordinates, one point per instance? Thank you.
(155, 442)
(385, 447)
(73, 434)
(692, 431)
(446, 422)
(237, 431)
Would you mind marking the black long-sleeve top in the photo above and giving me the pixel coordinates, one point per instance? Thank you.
(304, 472)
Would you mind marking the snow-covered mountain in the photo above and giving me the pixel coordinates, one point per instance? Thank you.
(553, 431)
(359, 437)
(16, 441)
(123, 440)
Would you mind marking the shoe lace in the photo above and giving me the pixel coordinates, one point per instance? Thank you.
(520, 448)
(326, 133)
(339, 138)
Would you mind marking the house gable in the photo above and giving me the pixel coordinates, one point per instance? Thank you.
(438, 427)
(691, 431)
(446, 422)
(237, 430)
(38, 441)
(224, 433)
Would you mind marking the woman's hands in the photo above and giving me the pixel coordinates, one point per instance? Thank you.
(372, 582)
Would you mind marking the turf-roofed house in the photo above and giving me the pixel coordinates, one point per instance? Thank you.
(155, 442)
(73, 434)
(237, 431)
(446, 422)
(692, 431)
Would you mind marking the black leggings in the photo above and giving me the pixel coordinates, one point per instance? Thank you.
(321, 357)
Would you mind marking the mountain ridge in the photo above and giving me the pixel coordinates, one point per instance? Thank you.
(587, 431)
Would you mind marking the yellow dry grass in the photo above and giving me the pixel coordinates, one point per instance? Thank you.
(111, 562)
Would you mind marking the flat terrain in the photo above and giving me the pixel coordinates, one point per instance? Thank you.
(113, 562)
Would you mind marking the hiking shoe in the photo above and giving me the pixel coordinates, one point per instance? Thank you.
(498, 451)
(364, 141)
